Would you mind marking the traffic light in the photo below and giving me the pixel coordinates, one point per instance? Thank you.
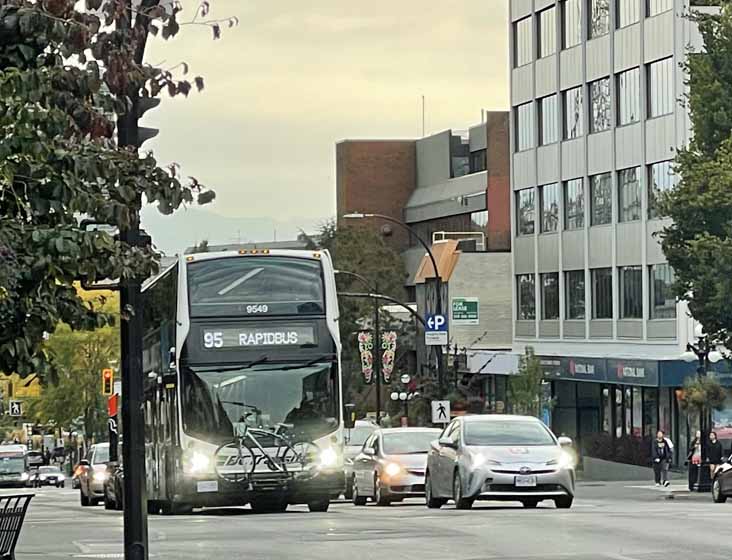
(107, 381)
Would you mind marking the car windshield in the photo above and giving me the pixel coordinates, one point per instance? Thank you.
(12, 465)
(360, 434)
(507, 432)
(261, 396)
(48, 470)
(101, 455)
(409, 442)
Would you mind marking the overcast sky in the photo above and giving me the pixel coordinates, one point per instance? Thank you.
(297, 76)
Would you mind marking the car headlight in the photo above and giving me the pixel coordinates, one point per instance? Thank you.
(61, 477)
(100, 476)
(392, 469)
(328, 458)
(43, 477)
(565, 461)
(24, 476)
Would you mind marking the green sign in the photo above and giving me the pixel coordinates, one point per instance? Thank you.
(464, 311)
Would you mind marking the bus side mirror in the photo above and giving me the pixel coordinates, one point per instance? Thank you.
(349, 416)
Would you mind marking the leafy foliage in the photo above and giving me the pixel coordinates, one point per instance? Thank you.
(702, 393)
(525, 389)
(698, 243)
(65, 75)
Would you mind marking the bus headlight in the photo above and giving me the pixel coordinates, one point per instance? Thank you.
(197, 462)
(328, 458)
(24, 476)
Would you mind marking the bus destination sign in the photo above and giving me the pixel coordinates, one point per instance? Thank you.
(232, 337)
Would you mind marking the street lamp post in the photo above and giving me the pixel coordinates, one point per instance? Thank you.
(438, 278)
(377, 336)
(704, 352)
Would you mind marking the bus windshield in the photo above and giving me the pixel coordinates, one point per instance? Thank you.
(255, 286)
(264, 395)
(12, 465)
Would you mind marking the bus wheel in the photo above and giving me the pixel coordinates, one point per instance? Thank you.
(172, 508)
(153, 507)
(319, 505)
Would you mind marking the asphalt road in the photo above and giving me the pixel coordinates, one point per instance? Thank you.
(614, 521)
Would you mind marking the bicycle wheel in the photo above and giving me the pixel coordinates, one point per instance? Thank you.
(300, 457)
(235, 461)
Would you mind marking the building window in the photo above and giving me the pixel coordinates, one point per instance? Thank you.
(550, 296)
(631, 292)
(661, 179)
(660, 87)
(629, 96)
(599, 23)
(525, 211)
(602, 293)
(600, 109)
(601, 203)
(574, 281)
(547, 32)
(628, 12)
(571, 23)
(629, 194)
(574, 204)
(663, 301)
(549, 207)
(478, 161)
(522, 42)
(479, 220)
(548, 133)
(573, 113)
(656, 7)
(526, 297)
(524, 128)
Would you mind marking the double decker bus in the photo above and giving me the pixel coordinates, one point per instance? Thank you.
(241, 338)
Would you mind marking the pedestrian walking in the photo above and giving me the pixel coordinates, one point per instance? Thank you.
(714, 453)
(694, 459)
(661, 455)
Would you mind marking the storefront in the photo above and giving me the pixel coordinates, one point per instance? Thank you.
(613, 407)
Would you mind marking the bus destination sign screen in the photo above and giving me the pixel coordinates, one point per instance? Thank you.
(232, 337)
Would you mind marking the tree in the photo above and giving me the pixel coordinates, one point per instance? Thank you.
(65, 75)
(698, 242)
(362, 250)
(703, 394)
(79, 358)
(525, 388)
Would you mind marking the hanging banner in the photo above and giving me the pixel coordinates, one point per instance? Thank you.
(388, 353)
(366, 350)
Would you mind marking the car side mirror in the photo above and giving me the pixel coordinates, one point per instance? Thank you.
(368, 451)
(565, 441)
(84, 463)
(447, 442)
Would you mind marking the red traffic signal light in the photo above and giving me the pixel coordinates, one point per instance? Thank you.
(107, 381)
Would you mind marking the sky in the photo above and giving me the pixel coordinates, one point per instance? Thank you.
(297, 76)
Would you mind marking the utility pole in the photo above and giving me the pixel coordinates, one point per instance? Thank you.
(377, 356)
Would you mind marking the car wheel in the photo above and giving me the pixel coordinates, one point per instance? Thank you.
(530, 504)
(357, 499)
(457, 494)
(320, 505)
(348, 493)
(380, 496)
(717, 494)
(565, 502)
(84, 498)
(432, 502)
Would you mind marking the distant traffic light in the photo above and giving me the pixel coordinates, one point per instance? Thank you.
(107, 381)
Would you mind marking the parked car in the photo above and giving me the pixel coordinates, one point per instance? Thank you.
(48, 476)
(355, 438)
(722, 482)
(499, 457)
(92, 478)
(114, 487)
(391, 465)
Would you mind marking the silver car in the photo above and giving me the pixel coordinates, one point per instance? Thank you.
(391, 465)
(355, 438)
(91, 479)
(499, 457)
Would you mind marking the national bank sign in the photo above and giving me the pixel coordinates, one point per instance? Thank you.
(601, 370)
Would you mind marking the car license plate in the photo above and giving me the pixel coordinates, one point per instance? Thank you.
(525, 481)
(208, 486)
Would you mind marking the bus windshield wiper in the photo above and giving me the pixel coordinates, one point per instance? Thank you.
(308, 364)
(243, 404)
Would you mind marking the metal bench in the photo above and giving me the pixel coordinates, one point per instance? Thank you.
(12, 514)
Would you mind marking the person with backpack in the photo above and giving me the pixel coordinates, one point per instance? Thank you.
(661, 457)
